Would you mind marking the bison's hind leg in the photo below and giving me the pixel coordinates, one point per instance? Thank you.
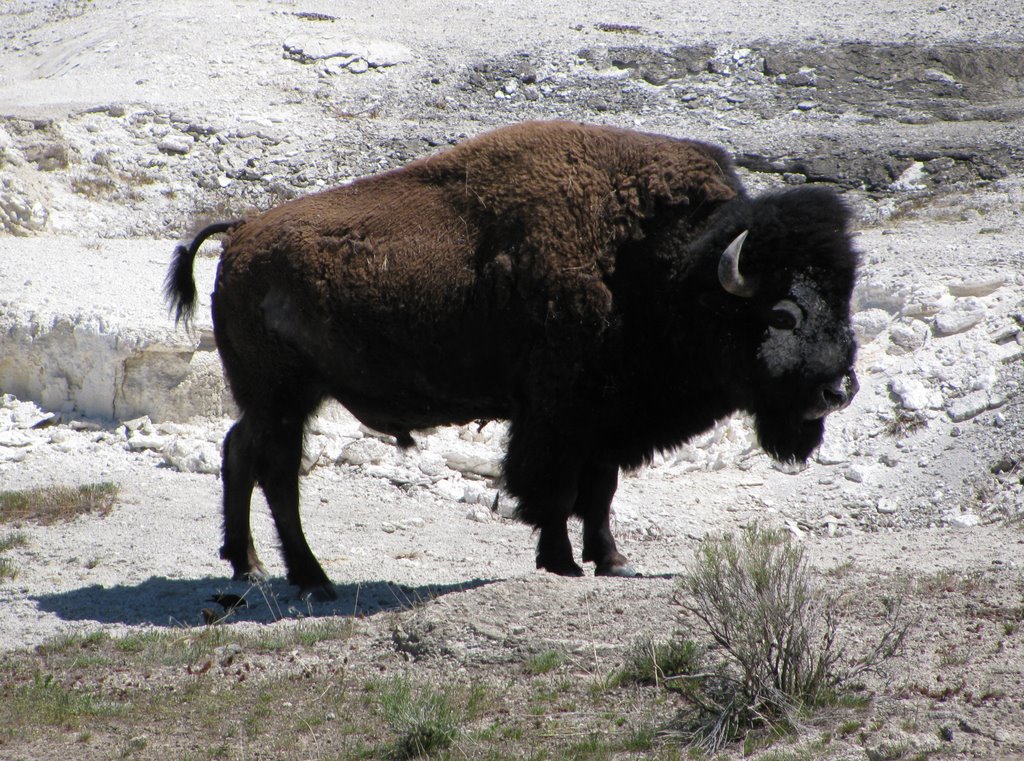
(239, 476)
(277, 472)
(267, 449)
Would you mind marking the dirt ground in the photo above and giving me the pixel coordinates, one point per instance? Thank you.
(123, 125)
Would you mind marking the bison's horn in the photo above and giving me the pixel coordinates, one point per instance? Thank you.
(729, 270)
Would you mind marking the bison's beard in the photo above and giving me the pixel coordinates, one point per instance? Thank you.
(788, 438)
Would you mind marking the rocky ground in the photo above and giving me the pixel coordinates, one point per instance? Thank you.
(124, 126)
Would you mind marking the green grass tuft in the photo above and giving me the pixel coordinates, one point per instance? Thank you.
(57, 504)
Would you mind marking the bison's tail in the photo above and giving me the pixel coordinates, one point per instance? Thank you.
(180, 286)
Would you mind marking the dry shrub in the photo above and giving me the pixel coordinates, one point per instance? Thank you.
(777, 631)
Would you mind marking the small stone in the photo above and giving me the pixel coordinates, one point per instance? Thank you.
(887, 506)
(964, 520)
(855, 474)
(803, 78)
(449, 488)
(831, 455)
(479, 515)
(175, 146)
(806, 105)
(432, 464)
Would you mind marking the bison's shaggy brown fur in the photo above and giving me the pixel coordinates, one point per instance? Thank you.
(553, 274)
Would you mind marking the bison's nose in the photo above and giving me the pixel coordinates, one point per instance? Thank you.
(838, 393)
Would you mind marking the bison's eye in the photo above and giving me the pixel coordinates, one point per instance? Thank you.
(786, 315)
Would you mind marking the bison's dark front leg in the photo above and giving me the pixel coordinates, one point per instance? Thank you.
(277, 472)
(238, 472)
(597, 485)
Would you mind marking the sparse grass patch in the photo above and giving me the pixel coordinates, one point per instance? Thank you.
(905, 422)
(949, 581)
(8, 570)
(547, 661)
(664, 663)
(44, 700)
(54, 504)
(13, 540)
(426, 718)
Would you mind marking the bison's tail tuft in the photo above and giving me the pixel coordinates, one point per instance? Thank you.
(179, 285)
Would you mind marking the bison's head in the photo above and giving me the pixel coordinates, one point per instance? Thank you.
(793, 267)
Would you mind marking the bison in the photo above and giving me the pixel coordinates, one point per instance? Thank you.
(610, 293)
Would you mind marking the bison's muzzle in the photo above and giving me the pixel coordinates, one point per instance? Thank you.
(833, 396)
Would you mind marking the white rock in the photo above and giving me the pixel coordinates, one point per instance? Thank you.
(367, 451)
(479, 515)
(11, 454)
(308, 48)
(449, 488)
(139, 442)
(980, 287)
(914, 395)
(358, 66)
(924, 300)
(972, 405)
(909, 335)
(964, 520)
(18, 414)
(468, 458)
(959, 318)
(141, 424)
(193, 456)
(887, 506)
(475, 493)
(831, 454)
(176, 146)
(911, 178)
(855, 474)
(15, 439)
(869, 323)
(432, 464)
(877, 294)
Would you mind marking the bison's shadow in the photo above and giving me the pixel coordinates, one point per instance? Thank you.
(160, 601)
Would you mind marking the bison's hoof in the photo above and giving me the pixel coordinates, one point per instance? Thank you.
(562, 569)
(623, 570)
(255, 575)
(319, 593)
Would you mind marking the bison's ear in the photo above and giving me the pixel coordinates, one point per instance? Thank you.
(729, 270)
